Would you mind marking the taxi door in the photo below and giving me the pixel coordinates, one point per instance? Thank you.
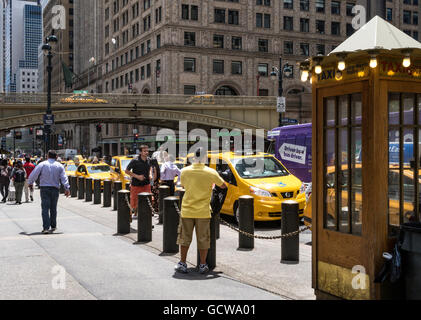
(233, 193)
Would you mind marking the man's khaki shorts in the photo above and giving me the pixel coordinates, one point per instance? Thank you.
(185, 232)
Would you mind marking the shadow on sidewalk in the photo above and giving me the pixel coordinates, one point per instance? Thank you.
(39, 234)
(193, 274)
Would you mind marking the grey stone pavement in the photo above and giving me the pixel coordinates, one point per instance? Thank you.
(101, 265)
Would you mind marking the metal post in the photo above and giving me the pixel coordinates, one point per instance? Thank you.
(88, 189)
(107, 193)
(164, 192)
(171, 220)
(211, 257)
(118, 185)
(47, 127)
(246, 222)
(73, 186)
(123, 213)
(144, 217)
(81, 188)
(218, 225)
(97, 191)
(290, 223)
(280, 89)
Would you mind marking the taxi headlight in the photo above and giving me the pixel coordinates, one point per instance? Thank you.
(260, 192)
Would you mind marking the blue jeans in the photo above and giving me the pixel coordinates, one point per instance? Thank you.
(49, 199)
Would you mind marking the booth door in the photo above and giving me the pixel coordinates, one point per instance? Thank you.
(339, 183)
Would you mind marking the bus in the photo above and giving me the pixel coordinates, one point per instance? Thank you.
(65, 154)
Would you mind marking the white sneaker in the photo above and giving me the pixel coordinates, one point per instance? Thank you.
(181, 267)
(203, 268)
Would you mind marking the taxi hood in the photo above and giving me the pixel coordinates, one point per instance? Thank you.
(276, 184)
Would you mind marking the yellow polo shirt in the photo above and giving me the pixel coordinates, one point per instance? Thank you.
(198, 180)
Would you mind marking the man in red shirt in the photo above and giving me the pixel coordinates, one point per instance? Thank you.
(29, 167)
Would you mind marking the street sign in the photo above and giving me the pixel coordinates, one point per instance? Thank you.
(273, 134)
(281, 104)
(289, 121)
(39, 133)
(293, 153)
(288, 71)
(48, 119)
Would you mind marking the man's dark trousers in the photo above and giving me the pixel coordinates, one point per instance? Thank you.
(49, 199)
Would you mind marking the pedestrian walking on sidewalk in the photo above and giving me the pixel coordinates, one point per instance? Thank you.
(5, 174)
(168, 172)
(198, 181)
(140, 171)
(155, 183)
(50, 173)
(29, 167)
(19, 178)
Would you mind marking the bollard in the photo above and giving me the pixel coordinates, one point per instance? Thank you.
(73, 186)
(211, 257)
(117, 187)
(164, 192)
(123, 213)
(61, 188)
(144, 217)
(246, 222)
(107, 194)
(171, 220)
(218, 225)
(290, 223)
(81, 188)
(88, 189)
(97, 191)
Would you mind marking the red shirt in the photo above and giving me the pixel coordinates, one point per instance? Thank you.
(29, 167)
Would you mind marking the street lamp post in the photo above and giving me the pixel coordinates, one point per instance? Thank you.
(91, 61)
(48, 119)
(278, 74)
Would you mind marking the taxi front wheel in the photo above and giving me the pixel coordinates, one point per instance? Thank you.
(237, 215)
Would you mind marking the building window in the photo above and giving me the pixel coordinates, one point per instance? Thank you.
(406, 17)
(288, 4)
(148, 70)
(320, 6)
(263, 92)
(236, 43)
(189, 90)
(349, 29)
(194, 13)
(336, 28)
(267, 21)
(262, 69)
(236, 67)
(288, 47)
(189, 64)
(136, 75)
(304, 5)
(304, 25)
(259, 20)
(415, 35)
(320, 26)
(158, 41)
(189, 38)
(336, 7)
(415, 18)
(185, 12)
(263, 45)
(305, 49)
(218, 41)
(233, 17)
(219, 15)
(288, 23)
(142, 73)
(389, 14)
(320, 49)
(349, 7)
(218, 66)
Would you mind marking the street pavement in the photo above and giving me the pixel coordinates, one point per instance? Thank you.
(98, 264)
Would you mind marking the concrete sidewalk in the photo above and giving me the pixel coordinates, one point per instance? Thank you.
(100, 265)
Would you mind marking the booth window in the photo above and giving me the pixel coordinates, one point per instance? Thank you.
(343, 164)
(404, 159)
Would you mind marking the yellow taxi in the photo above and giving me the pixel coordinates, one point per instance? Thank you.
(260, 175)
(118, 168)
(100, 171)
(70, 168)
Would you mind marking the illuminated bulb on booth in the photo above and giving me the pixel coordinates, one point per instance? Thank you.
(318, 69)
(304, 75)
(341, 65)
(373, 62)
(406, 62)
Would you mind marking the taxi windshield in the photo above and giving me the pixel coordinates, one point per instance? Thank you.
(98, 169)
(71, 167)
(124, 164)
(259, 167)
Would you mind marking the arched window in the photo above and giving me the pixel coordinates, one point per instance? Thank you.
(295, 91)
(145, 91)
(226, 91)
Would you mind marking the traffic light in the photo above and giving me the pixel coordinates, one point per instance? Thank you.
(31, 131)
(98, 128)
(136, 137)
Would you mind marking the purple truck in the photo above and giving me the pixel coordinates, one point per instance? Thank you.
(292, 146)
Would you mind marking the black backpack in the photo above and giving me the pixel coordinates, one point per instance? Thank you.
(20, 175)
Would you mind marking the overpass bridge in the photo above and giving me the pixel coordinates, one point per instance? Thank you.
(242, 112)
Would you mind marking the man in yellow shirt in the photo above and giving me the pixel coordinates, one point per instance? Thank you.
(198, 181)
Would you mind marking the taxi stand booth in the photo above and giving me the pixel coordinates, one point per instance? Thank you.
(366, 131)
